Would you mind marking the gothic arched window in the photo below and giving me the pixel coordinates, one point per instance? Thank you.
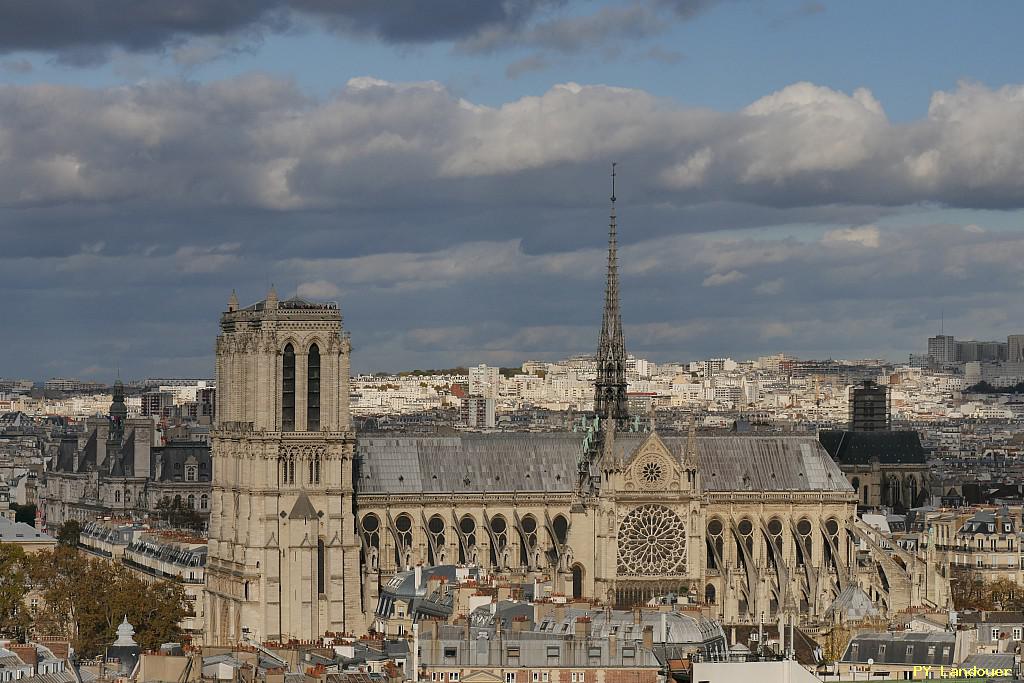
(288, 390)
(313, 389)
(320, 562)
(313, 468)
(287, 469)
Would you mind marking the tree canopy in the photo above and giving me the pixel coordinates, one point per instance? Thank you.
(85, 598)
(69, 533)
(14, 617)
(971, 591)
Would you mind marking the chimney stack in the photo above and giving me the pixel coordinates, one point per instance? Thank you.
(648, 637)
(583, 627)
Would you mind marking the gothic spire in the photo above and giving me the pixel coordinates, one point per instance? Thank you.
(610, 387)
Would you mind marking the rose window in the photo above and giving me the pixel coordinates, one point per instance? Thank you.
(652, 541)
(652, 472)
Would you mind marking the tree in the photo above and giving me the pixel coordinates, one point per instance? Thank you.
(24, 513)
(69, 533)
(969, 591)
(177, 514)
(14, 618)
(834, 642)
(86, 598)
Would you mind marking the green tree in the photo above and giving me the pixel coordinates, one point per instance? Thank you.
(14, 618)
(69, 533)
(24, 513)
(86, 598)
(178, 514)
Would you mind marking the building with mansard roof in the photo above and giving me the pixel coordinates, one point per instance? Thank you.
(311, 520)
(114, 468)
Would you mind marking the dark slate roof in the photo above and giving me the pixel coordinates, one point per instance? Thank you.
(897, 645)
(471, 463)
(303, 508)
(974, 617)
(176, 453)
(862, 448)
(87, 459)
(66, 454)
(807, 650)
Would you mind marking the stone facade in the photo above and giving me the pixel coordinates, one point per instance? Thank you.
(308, 524)
(114, 468)
(282, 547)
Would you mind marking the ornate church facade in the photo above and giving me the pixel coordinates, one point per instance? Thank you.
(309, 519)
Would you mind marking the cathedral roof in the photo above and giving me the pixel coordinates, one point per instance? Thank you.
(472, 463)
(861, 448)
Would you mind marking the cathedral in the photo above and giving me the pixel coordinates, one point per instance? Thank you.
(309, 519)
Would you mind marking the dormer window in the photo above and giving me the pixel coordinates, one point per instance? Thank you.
(190, 473)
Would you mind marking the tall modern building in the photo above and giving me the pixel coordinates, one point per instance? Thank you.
(1015, 348)
(282, 537)
(942, 349)
(869, 407)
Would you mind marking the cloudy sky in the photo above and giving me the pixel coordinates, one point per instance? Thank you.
(824, 179)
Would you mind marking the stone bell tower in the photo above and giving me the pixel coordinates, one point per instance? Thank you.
(282, 539)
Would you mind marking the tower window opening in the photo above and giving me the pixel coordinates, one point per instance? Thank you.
(288, 390)
(313, 389)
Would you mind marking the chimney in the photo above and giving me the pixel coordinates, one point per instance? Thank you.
(664, 627)
(518, 624)
(418, 572)
(733, 635)
(648, 637)
(613, 645)
(560, 612)
(415, 651)
(637, 615)
(583, 627)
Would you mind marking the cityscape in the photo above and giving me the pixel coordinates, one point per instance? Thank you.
(509, 363)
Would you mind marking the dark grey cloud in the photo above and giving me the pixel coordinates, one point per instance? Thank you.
(413, 21)
(84, 31)
(455, 233)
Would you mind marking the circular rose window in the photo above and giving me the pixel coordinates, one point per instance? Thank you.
(652, 541)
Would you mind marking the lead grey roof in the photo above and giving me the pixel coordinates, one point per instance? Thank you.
(907, 647)
(480, 463)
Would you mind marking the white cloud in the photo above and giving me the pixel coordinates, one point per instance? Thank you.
(866, 236)
(258, 142)
(318, 289)
(720, 279)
